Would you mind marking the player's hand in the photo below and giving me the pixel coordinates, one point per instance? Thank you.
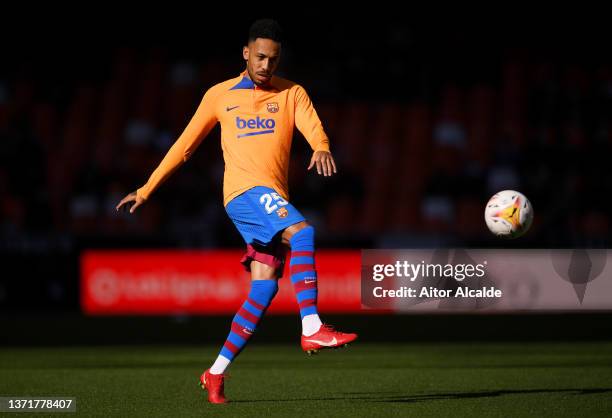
(325, 163)
(132, 197)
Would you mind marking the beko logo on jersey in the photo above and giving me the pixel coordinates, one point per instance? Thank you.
(267, 125)
(257, 123)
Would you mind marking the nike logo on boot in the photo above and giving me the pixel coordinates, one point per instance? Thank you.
(325, 343)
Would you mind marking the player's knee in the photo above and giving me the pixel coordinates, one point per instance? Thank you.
(262, 271)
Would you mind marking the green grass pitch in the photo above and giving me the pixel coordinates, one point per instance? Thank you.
(421, 379)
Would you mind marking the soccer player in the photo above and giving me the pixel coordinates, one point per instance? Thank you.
(257, 112)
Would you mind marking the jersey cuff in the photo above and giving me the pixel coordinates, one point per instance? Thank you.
(322, 147)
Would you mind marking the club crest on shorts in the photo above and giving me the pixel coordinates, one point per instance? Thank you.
(272, 107)
(282, 213)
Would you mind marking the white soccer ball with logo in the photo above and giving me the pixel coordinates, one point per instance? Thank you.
(508, 214)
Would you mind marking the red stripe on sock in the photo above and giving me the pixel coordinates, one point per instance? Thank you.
(236, 327)
(300, 268)
(256, 305)
(248, 316)
(231, 347)
(306, 303)
(302, 253)
(239, 329)
(301, 285)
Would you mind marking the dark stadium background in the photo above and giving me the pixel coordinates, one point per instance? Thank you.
(427, 120)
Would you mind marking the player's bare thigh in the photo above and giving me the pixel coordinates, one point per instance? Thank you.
(292, 230)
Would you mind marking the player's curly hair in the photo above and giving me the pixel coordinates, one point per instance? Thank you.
(267, 29)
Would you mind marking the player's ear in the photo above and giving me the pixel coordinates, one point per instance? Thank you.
(245, 53)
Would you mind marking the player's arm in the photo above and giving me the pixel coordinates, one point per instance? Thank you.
(200, 125)
(309, 124)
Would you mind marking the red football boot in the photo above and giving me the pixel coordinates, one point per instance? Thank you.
(213, 383)
(326, 337)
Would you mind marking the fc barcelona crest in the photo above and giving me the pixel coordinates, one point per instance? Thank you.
(282, 213)
(272, 107)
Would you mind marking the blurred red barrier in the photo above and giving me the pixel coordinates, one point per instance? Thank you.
(202, 282)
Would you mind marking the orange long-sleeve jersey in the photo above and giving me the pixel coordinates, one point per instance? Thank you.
(256, 133)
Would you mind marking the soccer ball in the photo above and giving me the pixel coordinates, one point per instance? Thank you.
(508, 214)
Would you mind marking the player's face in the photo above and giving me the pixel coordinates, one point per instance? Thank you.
(262, 56)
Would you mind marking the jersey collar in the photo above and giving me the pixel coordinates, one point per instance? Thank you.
(246, 83)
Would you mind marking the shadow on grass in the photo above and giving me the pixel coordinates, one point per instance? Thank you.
(392, 397)
(487, 394)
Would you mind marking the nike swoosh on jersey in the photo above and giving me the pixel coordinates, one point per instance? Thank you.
(325, 343)
(310, 281)
(228, 108)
